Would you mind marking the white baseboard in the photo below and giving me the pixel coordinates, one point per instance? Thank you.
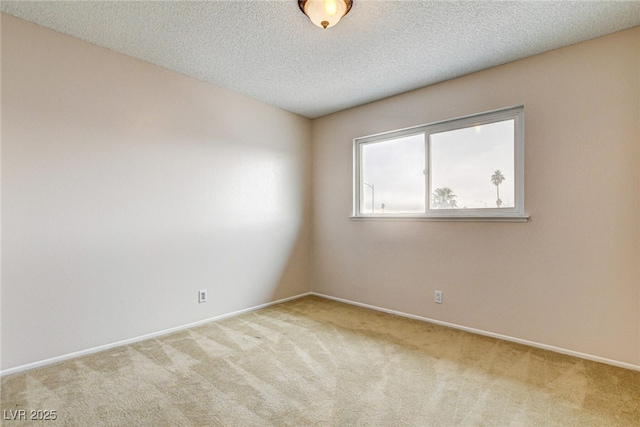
(488, 334)
(92, 350)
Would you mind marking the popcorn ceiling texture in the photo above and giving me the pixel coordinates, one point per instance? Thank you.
(270, 51)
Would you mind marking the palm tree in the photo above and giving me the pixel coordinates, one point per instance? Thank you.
(496, 179)
(443, 198)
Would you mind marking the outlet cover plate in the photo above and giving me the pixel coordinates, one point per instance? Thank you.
(202, 296)
(438, 297)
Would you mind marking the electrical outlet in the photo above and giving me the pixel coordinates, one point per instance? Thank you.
(438, 297)
(202, 296)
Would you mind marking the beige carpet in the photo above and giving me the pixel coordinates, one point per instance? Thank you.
(314, 362)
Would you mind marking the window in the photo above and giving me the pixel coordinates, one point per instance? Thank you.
(470, 168)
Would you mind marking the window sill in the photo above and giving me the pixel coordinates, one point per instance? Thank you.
(450, 218)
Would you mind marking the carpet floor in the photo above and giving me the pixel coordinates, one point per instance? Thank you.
(316, 362)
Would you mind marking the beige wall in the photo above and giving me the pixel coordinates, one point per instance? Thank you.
(569, 277)
(126, 188)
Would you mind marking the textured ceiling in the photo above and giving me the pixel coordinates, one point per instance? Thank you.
(270, 51)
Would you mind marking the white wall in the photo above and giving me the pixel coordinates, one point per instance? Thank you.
(569, 277)
(126, 188)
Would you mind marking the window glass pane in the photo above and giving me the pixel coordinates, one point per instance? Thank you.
(393, 178)
(473, 167)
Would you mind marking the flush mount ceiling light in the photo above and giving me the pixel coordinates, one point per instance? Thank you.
(325, 13)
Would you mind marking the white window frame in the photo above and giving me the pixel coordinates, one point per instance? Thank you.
(512, 214)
